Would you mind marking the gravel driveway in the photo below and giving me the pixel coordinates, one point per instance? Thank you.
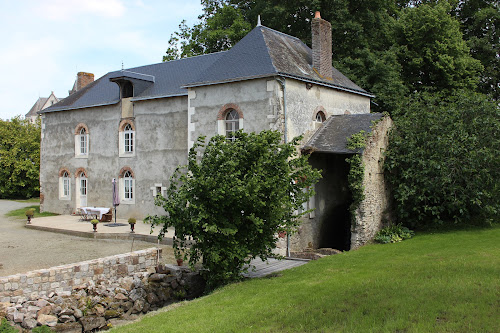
(23, 250)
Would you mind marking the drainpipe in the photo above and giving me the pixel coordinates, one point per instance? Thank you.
(281, 81)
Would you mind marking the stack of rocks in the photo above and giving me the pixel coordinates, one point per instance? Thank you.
(95, 305)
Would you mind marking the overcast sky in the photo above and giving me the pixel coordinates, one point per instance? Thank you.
(44, 43)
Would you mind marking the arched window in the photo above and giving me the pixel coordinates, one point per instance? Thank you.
(129, 139)
(127, 186)
(65, 179)
(320, 117)
(232, 124)
(128, 183)
(64, 185)
(229, 120)
(81, 141)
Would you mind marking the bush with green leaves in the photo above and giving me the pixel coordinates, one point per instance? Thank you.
(393, 234)
(233, 198)
(19, 159)
(443, 160)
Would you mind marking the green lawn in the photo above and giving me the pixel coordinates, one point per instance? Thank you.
(21, 212)
(447, 282)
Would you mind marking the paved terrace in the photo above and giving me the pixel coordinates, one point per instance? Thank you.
(73, 225)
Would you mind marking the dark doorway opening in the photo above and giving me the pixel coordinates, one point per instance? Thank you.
(336, 228)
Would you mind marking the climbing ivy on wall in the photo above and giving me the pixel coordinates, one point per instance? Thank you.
(356, 143)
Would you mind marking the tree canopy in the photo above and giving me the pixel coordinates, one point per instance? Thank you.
(19, 159)
(443, 161)
(232, 200)
(390, 48)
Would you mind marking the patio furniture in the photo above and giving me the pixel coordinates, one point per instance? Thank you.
(96, 212)
(107, 217)
(83, 214)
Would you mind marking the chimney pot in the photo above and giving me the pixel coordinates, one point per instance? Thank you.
(317, 14)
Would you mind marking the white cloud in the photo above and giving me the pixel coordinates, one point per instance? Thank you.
(69, 9)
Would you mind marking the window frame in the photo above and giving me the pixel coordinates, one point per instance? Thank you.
(64, 185)
(82, 138)
(127, 138)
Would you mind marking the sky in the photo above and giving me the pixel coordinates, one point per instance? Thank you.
(44, 43)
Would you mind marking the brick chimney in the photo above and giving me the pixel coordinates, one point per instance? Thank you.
(322, 46)
(83, 79)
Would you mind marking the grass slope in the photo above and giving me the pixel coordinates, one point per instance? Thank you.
(448, 282)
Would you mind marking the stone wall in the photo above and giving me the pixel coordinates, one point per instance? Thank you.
(94, 294)
(373, 210)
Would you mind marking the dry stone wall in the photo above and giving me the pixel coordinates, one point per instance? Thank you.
(92, 295)
(374, 208)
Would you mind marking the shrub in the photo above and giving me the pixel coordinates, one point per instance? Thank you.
(393, 234)
(94, 221)
(234, 199)
(443, 161)
(132, 220)
(30, 212)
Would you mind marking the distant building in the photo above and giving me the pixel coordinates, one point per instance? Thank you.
(82, 79)
(41, 104)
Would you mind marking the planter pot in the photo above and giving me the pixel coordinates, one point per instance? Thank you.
(95, 227)
(180, 262)
(132, 227)
(29, 220)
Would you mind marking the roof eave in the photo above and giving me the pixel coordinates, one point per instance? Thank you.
(330, 85)
(76, 108)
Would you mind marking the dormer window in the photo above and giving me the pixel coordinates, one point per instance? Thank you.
(127, 89)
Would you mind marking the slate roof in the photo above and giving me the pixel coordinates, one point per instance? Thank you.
(39, 104)
(332, 136)
(266, 52)
(263, 52)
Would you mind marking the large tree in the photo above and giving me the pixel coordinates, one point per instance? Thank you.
(19, 159)
(432, 53)
(443, 161)
(233, 198)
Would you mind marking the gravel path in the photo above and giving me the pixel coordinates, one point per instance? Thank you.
(23, 250)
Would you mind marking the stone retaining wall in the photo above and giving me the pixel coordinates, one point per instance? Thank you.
(62, 279)
(95, 294)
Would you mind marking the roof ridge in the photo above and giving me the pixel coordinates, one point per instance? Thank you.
(282, 33)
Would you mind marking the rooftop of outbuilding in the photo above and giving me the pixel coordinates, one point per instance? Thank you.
(336, 130)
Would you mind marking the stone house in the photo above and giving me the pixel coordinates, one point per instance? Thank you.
(137, 125)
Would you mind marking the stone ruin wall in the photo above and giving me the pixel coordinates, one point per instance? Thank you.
(373, 210)
(95, 294)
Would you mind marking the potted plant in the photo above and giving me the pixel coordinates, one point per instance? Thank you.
(179, 256)
(132, 222)
(29, 214)
(94, 224)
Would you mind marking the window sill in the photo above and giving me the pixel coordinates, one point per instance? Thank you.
(65, 198)
(82, 156)
(127, 202)
(127, 155)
